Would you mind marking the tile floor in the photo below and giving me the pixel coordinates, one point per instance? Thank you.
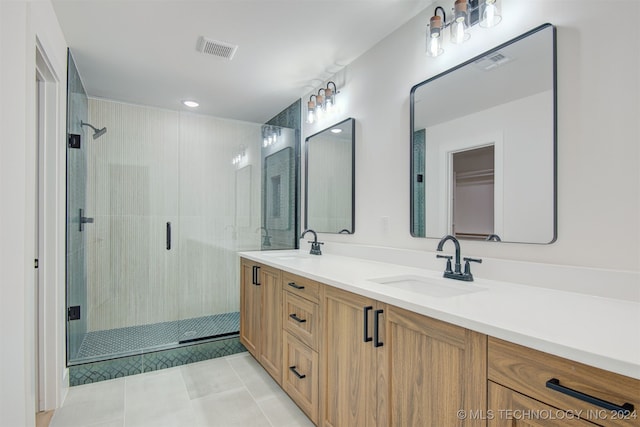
(229, 391)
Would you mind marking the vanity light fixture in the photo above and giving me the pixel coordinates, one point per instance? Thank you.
(320, 104)
(311, 110)
(460, 24)
(238, 158)
(330, 97)
(490, 14)
(270, 135)
(466, 13)
(324, 102)
(435, 35)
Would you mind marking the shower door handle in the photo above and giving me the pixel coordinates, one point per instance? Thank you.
(168, 236)
(83, 220)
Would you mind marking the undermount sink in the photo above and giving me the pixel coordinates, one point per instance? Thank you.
(434, 287)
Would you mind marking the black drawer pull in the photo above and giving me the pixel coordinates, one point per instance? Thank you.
(367, 338)
(376, 322)
(297, 319)
(298, 374)
(293, 285)
(625, 409)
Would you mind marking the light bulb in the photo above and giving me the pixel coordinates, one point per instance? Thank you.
(310, 116)
(434, 46)
(329, 105)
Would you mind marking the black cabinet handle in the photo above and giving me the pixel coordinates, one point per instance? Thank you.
(168, 236)
(293, 285)
(298, 374)
(256, 275)
(625, 409)
(367, 338)
(297, 319)
(376, 322)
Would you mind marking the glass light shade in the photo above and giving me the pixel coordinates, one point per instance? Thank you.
(319, 107)
(434, 37)
(490, 14)
(311, 106)
(459, 31)
(329, 100)
(434, 46)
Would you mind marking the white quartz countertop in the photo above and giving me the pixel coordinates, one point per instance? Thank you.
(597, 331)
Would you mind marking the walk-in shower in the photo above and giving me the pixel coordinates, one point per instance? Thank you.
(156, 213)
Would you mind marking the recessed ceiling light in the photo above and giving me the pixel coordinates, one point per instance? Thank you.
(191, 104)
(337, 130)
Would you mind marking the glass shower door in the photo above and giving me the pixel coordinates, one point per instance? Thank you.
(77, 111)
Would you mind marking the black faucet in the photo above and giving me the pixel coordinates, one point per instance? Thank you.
(456, 273)
(266, 239)
(315, 245)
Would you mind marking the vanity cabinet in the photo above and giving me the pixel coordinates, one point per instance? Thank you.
(348, 361)
(385, 366)
(261, 315)
(301, 338)
(522, 379)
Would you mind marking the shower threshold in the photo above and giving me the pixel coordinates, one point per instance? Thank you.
(135, 340)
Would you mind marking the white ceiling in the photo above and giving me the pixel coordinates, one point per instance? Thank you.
(144, 52)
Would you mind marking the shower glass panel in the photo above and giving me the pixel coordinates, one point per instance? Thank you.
(165, 212)
(77, 111)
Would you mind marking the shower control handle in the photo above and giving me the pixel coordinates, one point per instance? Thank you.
(168, 236)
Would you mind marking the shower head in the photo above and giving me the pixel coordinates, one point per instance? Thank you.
(97, 133)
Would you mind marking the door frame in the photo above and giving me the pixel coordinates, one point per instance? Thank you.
(49, 88)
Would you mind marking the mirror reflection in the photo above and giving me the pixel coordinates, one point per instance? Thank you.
(483, 146)
(329, 179)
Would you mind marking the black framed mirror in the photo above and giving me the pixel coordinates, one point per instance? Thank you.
(483, 145)
(329, 205)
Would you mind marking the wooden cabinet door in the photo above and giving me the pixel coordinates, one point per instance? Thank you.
(250, 307)
(271, 322)
(508, 408)
(428, 371)
(348, 374)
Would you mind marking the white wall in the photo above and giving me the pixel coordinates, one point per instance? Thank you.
(598, 132)
(21, 24)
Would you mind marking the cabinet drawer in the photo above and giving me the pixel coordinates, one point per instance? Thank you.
(300, 318)
(508, 408)
(300, 375)
(301, 286)
(530, 372)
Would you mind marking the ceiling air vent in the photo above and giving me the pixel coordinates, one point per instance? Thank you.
(491, 61)
(216, 48)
